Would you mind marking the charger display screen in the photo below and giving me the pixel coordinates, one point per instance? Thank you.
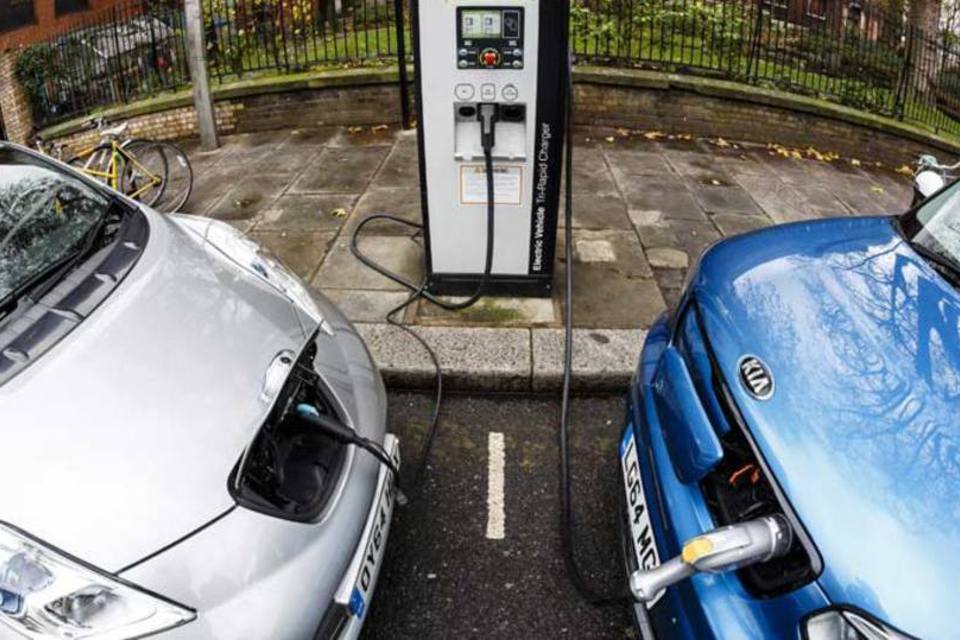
(481, 23)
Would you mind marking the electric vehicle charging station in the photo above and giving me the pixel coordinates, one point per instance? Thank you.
(490, 91)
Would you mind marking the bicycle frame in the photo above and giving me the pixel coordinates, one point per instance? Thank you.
(111, 172)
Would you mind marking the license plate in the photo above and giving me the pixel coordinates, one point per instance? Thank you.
(641, 531)
(356, 590)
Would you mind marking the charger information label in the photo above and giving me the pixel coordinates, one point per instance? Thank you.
(507, 184)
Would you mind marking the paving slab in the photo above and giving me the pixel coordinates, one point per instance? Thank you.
(341, 170)
(627, 163)
(372, 136)
(591, 174)
(403, 202)
(724, 198)
(779, 200)
(695, 164)
(252, 195)
(492, 312)
(732, 225)
(667, 258)
(360, 305)
(310, 137)
(471, 358)
(307, 212)
(342, 270)
(210, 186)
(302, 251)
(597, 211)
(604, 297)
(289, 161)
(667, 195)
(603, 359)
(401, 168)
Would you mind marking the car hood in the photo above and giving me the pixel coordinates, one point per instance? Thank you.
(861, 337)
(120, 439)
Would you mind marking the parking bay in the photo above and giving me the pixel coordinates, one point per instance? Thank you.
(476, 553)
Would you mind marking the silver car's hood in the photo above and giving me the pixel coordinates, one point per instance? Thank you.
(120, 439)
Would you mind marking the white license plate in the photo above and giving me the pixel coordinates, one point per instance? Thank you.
(356, 590)
(641, 531)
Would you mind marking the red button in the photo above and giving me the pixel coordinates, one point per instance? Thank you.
(489, 58)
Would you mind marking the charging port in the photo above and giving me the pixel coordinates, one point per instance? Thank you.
(513, 113)
(467, 111)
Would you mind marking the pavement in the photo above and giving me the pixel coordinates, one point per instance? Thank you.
(645, 206)
(444, 576)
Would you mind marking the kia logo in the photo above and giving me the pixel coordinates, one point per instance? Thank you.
(756, 378)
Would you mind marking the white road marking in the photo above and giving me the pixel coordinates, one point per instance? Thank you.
(496, 516)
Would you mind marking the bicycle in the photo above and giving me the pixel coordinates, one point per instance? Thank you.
(158, 174)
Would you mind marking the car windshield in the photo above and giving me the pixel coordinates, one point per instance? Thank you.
(934, 229)
(45, 214)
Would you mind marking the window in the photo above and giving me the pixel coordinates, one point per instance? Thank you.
(64, 7)
(817, 9)
(15, 14)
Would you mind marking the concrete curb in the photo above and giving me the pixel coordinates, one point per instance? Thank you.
(486, 359)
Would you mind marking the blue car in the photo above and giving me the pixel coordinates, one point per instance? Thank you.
(810, 376)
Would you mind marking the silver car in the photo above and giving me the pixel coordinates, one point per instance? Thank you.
(160, 473)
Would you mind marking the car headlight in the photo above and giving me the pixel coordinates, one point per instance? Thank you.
(46, 594)
(846, 624)
(259, 261)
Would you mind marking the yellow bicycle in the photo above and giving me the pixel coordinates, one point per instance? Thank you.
(135, 168)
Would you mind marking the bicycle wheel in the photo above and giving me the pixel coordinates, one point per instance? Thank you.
(179, 184)
(144, 174)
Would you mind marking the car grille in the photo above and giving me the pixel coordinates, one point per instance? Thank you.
(740, 487)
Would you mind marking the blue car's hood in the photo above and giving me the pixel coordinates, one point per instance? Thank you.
(863, 430)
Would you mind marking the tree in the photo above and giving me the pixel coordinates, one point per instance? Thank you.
(923, 18)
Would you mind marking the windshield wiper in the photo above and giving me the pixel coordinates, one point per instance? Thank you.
(944, 265)
(41, 282)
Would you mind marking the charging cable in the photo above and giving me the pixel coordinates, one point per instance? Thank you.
(487, 115)
(567, 524)
(340, 432)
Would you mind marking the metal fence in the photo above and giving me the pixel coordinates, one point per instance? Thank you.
(840, 50)
(250, 36)
(843, 51)
(134, 50)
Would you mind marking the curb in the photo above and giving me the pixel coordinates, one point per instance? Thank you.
(516, 359)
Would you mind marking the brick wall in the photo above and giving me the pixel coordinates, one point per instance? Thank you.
(48, 23)
(676, 111)
(670, 111)
(14, 108)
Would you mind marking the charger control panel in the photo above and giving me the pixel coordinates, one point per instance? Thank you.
(490, 37)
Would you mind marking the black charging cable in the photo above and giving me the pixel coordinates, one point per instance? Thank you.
(340, 432)
(567, 525)
(487, 115)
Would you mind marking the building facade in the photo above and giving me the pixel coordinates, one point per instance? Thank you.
(26, 21)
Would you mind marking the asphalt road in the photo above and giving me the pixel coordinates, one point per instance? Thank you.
(444, 577)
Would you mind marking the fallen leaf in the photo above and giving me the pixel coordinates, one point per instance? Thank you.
(623, 133)
(877, 190)
(379, 128)
(653, 135)
(854, 162)
(339, 213)
(685, 136)
(720, 142)
(610, 139)
(354, 129)
(904, 170)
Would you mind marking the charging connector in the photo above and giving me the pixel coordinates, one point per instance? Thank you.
(340, 432)
(487, 114)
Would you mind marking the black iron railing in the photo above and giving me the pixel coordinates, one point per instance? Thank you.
(843, 51)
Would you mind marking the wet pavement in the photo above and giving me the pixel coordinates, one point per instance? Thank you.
(644, 210)
(444, 577)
